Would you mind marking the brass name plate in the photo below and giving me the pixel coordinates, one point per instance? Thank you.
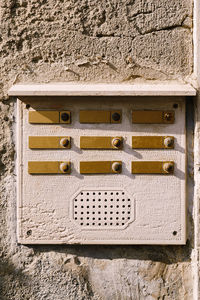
(101, 142)
(152, 167)
(49, 142)
(49, 167)
(153, 117)
(100, 167)
(100, 116)
(49, 117)
(153, 142)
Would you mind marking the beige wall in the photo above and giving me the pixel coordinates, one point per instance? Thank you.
(104, 41)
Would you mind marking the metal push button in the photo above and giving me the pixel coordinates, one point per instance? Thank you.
(65, 142)
(116, 116)
(116, 167)
(168, 167)
(117, 142)
(64, 167)
(169, 142)
(64, 117)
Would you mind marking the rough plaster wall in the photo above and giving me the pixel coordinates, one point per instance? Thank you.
(114, 40)
(86, 40)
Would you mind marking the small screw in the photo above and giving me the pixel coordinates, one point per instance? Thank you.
(116, 143)
(116, 116)
(174, 232)
(65, 117)
(116, 167)
(29, 232)
(28, 106)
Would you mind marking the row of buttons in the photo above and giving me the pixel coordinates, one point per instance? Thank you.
(100, 167)
(102, 116)
(101, 142)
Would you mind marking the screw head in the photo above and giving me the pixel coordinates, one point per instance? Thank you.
(64, 142)
(116, 167)
(65, 117)
(64, 167)
(116, 142)
(168, 167)
(29, 232)
(175, 105)
(116, 116)
(168, 142)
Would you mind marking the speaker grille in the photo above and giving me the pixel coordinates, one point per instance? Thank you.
(102, 209)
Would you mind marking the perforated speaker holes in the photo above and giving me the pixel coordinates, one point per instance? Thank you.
(102, 209)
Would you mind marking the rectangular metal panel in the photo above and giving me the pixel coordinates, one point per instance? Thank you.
(49, 142)
(100, 116)
(100, 142)
(152, 142)
(44, 117)
(152, 117)
(47, 167)
(151, 167)
(98, 167)
(139, 209)
(49, 117)
(94, 116)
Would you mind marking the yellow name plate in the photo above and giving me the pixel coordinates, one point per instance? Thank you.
(49, 167)
(152, 167)
(100, 116)
(100, 167)
(101, 142)
(49, 117)
(153, 117)
(153, 142)
(49, 142)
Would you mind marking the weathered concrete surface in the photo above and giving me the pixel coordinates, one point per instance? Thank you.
(95, 40)
(117, 40)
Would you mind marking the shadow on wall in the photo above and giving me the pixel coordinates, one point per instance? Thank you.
(12, 281)
(47, 282)
(164, 254)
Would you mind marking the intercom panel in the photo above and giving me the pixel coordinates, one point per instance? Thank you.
(101, 170)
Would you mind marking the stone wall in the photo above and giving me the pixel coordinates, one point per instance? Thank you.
(102, 41)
